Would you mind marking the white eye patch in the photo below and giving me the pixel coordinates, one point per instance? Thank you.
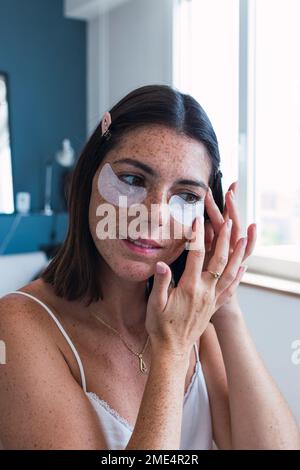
(184, 212)
(121, 194)
(111, 188)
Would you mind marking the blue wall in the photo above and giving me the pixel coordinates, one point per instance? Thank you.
(44, 55)
(25, 233)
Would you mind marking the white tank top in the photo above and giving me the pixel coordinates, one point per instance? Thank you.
(196, 426)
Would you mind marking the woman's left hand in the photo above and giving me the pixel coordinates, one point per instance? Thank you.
(231, 277)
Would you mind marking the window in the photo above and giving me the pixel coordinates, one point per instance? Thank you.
(205, 65)
(240, 61)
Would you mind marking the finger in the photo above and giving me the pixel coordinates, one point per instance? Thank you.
(225, 212)
(209, 254)
(252, 237)
(225, 296)
(209, 236)
(214, 214)
(159, 293)
(220, 258)
(232, 267)
(232, 209)
(195, 257)
(232, 187)
(226, 217)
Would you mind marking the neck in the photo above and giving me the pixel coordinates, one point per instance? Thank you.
(123, 305)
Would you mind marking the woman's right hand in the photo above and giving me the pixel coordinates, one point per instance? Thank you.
(176, 320)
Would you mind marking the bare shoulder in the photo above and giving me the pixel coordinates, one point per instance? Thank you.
(17, 306)
(37, 387)
(22, 318)
(24, 314)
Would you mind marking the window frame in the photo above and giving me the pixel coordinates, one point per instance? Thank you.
(260, 263)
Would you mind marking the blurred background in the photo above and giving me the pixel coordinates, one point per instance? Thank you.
(64, 63)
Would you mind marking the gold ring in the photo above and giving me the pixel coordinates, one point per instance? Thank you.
(216, 275)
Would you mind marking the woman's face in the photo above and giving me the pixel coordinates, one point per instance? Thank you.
(167, 157)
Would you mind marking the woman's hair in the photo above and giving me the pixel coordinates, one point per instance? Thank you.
(73, 270)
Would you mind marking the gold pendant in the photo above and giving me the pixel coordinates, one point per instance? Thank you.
(143, 367)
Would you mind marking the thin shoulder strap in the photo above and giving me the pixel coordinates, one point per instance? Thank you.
(197, 352)
(63, 331)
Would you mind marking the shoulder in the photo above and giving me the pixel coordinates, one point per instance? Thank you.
(29, 310)
(27, 332)
(37, 387)
(20, 314)
(17, 310)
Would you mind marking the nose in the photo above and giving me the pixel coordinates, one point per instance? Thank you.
(157, 208)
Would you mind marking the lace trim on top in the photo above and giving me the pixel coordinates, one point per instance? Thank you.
(124, 421)
(186, 395)
(110, 410)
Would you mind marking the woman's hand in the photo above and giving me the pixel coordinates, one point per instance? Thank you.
(212, 228)
(175, 321)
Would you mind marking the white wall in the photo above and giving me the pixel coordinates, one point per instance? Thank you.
(274, 323)
(140, 38)
(129, 45)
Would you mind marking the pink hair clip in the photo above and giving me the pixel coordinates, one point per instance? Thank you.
(105, 123)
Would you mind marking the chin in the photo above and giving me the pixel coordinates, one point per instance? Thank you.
(132, 266)
(135, 271)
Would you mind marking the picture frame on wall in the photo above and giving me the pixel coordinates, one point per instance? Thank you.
(6, 176)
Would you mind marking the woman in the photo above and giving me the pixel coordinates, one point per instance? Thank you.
(153, 327)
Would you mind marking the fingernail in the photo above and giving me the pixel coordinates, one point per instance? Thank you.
(245, 241)
(161, 268)
(229, 223)
(244, 268)
(232, 194)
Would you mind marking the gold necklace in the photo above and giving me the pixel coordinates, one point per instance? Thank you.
(142, 365)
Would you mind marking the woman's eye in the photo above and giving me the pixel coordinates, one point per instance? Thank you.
(132, 180)
(191, 198)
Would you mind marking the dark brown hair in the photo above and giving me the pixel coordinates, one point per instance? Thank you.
(73, 270)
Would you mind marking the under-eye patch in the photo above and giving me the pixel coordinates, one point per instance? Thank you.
(185, 212)
(115, 191)
(121, 194)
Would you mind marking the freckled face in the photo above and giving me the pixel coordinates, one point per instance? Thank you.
(172, 157)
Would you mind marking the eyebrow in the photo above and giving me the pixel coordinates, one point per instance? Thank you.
(152, 172)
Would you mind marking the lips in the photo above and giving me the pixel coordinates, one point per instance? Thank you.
(140, 249)
(146, 242)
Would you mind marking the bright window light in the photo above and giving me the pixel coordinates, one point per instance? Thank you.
(205, 58)
(275, 108)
